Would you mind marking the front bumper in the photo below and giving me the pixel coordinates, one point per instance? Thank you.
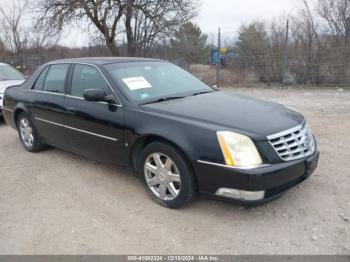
(274, 179)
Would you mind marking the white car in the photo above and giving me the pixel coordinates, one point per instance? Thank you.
(9, 76)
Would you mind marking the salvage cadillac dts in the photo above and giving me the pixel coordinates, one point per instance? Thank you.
(180, 136)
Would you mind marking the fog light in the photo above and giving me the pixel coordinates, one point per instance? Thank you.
(240, 194)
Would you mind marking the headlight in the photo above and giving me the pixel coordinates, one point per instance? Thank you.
(238, 150)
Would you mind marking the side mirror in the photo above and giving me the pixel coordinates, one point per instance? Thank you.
(94, 95)
(98, 95)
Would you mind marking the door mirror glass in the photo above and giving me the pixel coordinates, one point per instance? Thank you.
(95, 95)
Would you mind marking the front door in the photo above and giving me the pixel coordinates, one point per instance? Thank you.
(94, 129)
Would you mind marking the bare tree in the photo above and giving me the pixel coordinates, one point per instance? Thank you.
(2, 49)
(318, 52)
(103, 14)
(337, 15)
(11, 25)
(306, 47)
(143, 21)
(154, 20)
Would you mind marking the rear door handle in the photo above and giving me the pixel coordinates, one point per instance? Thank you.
(71, 110)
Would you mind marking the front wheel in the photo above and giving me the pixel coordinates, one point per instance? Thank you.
(167, 175)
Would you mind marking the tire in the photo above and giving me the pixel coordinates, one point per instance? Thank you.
(28, 134)
(173, 172)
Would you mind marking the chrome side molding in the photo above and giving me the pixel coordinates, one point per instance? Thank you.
(77, 129)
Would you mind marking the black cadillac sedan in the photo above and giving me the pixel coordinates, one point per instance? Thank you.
(180, 136)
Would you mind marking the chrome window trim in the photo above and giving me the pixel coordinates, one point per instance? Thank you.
(232, 167)
(79, 63)
(76, 97)
(45, 92)
(104, 77)
(77, 129)
(80, 98)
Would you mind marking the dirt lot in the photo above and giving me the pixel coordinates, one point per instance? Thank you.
(55, 202)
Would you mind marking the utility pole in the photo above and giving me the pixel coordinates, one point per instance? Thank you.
(285, 55)
(164, 49)
(124, 48)
(218, 64)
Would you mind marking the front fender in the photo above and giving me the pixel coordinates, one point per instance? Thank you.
(195, 141)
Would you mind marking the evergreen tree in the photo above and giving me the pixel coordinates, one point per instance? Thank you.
(190, 43)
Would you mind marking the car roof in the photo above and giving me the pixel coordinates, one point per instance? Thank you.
(104, 60)
(2, 64)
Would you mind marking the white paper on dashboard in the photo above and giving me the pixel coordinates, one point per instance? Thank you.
(135, 83)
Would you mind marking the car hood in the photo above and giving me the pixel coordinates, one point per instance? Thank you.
(7, 83)
(230, 111)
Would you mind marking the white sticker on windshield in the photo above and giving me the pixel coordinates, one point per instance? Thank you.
(135, 83)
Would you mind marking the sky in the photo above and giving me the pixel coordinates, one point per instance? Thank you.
(229, 15)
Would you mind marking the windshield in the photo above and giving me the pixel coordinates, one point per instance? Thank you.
(147, 81)
(9, 73)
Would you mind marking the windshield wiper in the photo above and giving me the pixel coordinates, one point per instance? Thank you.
(162, 99)
(202, 92)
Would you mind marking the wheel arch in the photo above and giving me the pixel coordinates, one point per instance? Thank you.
(145, 140)
(18, 110)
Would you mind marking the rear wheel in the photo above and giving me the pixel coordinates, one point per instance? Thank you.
(28, 134)
(167, 175)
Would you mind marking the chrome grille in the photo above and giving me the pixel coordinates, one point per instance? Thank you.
(294, 143)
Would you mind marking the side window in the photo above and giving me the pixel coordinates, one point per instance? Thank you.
(56, 78)
(86, 77)
(39, 83)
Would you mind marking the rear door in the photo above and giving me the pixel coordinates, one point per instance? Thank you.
(94, 129)
(46, 103)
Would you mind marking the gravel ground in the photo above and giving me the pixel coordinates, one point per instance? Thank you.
(55, 202)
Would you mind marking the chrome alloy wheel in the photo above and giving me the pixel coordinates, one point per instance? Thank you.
(26, 132)
(162, 176)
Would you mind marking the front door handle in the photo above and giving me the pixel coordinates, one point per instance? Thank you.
(71, 110)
